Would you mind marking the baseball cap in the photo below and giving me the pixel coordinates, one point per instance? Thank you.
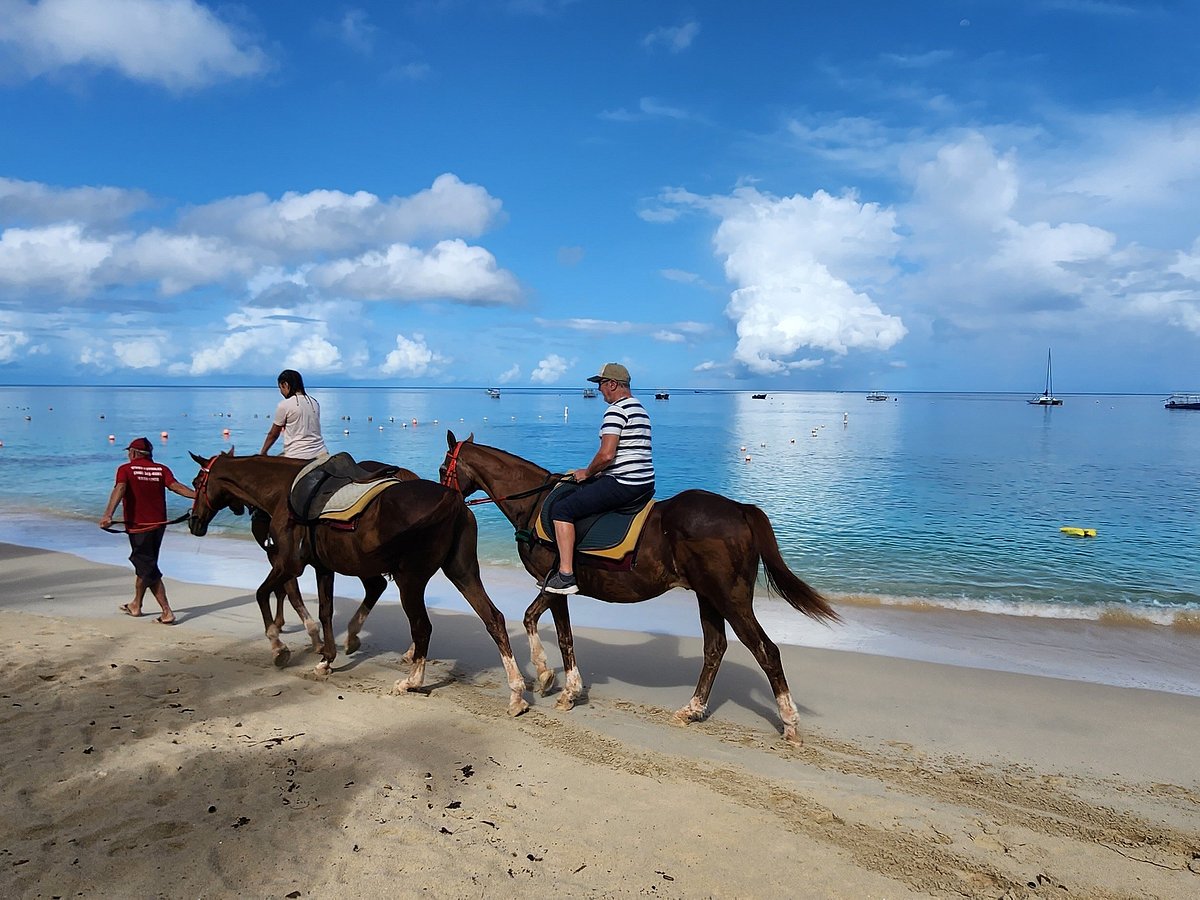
(614, 371)
(141, 444)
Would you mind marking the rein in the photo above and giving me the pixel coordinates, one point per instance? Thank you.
(146, 526)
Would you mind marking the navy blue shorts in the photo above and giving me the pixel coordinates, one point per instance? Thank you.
(144, 547)
(597, 495)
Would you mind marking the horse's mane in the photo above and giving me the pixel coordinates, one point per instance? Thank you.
(504, 454)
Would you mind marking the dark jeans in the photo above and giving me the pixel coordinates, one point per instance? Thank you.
(144, 546)
(597, 495)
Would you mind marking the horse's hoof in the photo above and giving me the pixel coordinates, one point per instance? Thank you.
(517, 708)
(282, 658)
(565, 703)
(401, 687)
(790, 735)
(352, 644)
(545, 682)
(686, 716)
(322, 669)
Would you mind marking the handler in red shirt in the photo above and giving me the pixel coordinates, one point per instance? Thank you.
(141, 488)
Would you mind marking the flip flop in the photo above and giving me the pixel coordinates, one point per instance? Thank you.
(159, 620)
(124, 607)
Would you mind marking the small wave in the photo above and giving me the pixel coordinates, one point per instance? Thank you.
(1107, 614)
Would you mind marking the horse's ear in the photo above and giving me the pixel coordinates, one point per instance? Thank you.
(470, 438)
(198, 460)
(450, 440)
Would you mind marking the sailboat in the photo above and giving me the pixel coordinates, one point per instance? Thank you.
(1047, 398)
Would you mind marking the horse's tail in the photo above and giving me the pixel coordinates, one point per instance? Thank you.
(779, 577)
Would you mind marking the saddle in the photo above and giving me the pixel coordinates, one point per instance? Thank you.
(605, 540)
(336, 487)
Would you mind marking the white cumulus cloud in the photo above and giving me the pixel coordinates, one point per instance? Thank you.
(180, 44)
(412, 357)
(550, 369)
(804, 268)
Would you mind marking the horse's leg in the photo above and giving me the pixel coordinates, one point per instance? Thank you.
(292, 592)
(573, 689)
(373, 587)
(537, 653)
(712, 624)
(279, 651)
(412, 599)
(751, 634)
(462, 568)
(325, 613)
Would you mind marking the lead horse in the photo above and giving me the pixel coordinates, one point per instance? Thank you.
(697, 540)
(412, 529)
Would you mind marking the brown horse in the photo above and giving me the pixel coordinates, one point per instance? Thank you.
(408, 532)
(373, 586)
(697, 540)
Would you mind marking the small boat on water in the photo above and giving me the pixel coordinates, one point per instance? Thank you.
(1182, 401)
(589, 393)
(877, 395)
(758, 396)
(1047, 397)
(494, 393)
(662, 395)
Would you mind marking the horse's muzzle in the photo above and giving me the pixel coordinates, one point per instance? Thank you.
(197, 526)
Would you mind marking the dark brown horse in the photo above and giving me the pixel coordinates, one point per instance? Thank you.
(373, 587)
(409, 531)
(696, 540)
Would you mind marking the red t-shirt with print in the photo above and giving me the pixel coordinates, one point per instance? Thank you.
(145, 499)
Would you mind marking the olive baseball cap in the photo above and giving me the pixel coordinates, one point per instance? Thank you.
(611, 371)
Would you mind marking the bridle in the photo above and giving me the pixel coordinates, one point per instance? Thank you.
(202, 485)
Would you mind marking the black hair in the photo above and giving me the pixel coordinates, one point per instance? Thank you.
(293, 379)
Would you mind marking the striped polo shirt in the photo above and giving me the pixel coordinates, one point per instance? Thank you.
(628, 420)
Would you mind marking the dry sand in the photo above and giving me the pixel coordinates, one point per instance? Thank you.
(145, 761)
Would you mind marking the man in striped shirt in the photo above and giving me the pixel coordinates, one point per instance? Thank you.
(621, 471)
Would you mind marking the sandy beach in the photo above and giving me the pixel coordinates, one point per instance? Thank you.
(152, 761)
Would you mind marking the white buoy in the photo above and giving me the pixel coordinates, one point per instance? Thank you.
(163, 435)
(747, 459)
(111, 438)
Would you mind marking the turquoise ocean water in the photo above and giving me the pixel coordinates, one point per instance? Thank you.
(948, 500)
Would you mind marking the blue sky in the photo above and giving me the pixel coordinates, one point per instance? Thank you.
(775, 195)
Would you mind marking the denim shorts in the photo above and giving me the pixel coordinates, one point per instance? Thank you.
(597, 495)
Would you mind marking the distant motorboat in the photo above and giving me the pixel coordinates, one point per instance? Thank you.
(589, 393)
(1182, 401)
(758, 396)
(1047, 397)
(662, 395)
(494, 393)
(877, 395)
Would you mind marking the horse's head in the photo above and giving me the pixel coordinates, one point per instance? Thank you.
(455, 472)
(211, 496)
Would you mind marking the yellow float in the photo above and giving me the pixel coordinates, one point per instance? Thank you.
(1078, 532)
